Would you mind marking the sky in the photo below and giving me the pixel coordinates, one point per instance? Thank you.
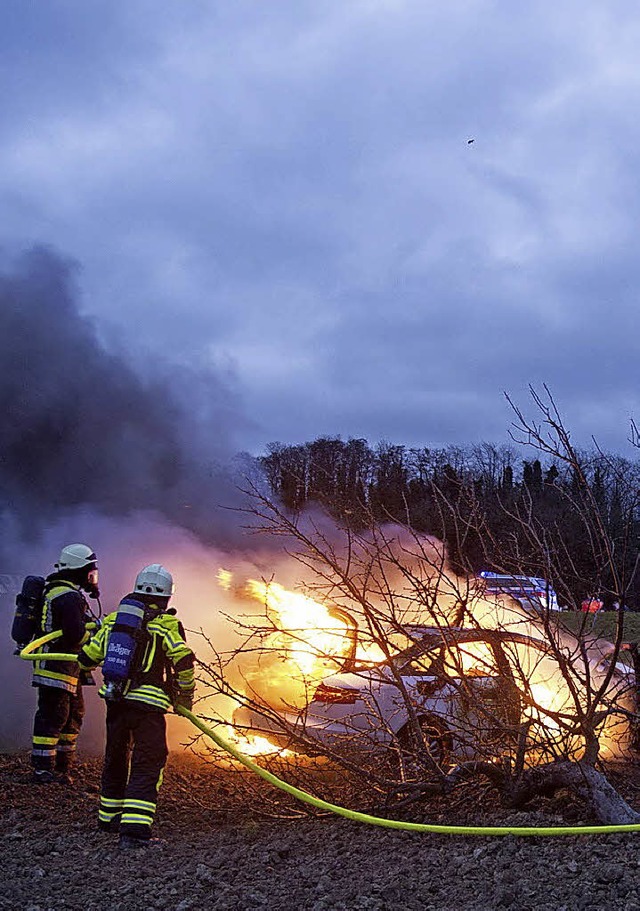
(226, 223)
(285, 199)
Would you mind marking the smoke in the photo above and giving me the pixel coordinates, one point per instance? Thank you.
(83, 426)
(124, 452)
(123, 546)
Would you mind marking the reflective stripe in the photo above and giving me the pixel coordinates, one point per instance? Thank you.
(148, 694)
(150, 655)
(107, 816)
(131, 804)
(66, 748)
(55, 675)
(112, 801)
(110, 807)
(68, 737)
(148, 688)
(133, 818)
(41, 679)
(151, 695)
(174, 644)
(126, 607)
(43, 752)
(45, 740)
(44, 677)
(149, 700)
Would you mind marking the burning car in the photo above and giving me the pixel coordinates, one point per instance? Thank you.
(455, 689)
(498, 684)
(460, 693)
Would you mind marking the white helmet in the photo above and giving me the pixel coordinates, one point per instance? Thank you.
(154, 580)
(76, 556)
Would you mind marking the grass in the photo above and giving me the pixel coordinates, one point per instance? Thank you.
(603, 624)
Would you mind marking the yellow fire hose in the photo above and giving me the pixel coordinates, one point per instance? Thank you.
(31, 653)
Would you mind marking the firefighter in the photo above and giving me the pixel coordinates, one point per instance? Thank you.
(161, 675)
(60, 710)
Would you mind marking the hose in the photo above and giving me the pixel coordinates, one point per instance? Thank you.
(30, 654)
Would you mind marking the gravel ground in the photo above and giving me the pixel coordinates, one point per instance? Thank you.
(218, 853)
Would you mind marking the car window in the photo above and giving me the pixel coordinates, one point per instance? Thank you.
(471, 659)
(478, 656)
(468, 659)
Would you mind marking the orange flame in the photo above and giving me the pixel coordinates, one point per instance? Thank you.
(254, 744)
(315, 634)
(308, 644)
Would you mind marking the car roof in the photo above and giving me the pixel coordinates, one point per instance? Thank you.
(499, 578)
(431, 636)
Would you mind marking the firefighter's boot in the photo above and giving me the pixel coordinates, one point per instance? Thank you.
(130, 843)
(43, 776)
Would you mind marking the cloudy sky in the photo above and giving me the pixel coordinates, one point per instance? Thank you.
(284, 196)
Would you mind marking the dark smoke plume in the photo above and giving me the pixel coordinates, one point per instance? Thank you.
(85, 427)
(124, 451)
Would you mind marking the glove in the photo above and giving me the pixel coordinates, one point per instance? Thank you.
(184, 700)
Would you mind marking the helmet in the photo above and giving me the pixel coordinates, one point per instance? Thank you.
(154, 580)
(76, 556)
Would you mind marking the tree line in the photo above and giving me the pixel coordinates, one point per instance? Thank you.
(497, 510)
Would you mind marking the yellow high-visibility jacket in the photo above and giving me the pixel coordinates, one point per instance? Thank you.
(64, 608)
(165, 668)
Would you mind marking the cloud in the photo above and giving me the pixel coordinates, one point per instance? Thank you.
(287, 193)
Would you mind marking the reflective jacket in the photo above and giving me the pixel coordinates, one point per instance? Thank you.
(65, 608)
(165, 668)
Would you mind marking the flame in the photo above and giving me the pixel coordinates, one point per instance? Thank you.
(224, 579)
(369, 652)
(254, 744)
(315, 634)
(473, 659)
(546, 699)
(308, 644)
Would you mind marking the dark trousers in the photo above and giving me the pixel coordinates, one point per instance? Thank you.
(56, 727)
(135, 755)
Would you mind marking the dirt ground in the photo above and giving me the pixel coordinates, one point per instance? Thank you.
(223, 848)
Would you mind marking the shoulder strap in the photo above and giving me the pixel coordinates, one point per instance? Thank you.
(60, 583)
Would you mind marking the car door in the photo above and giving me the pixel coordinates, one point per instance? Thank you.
(485, 709)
